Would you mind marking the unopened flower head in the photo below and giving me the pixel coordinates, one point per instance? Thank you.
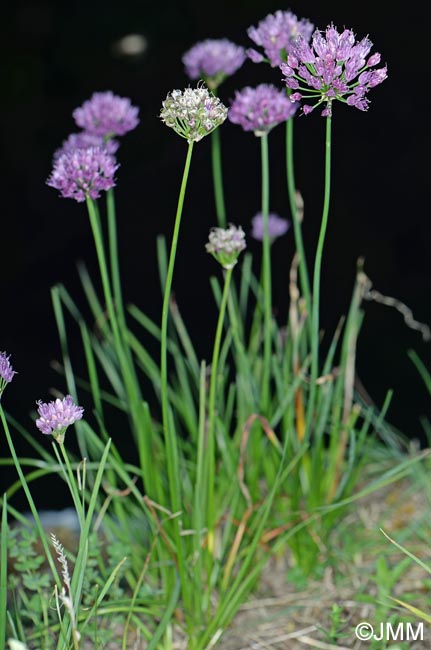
(56, 416)
(193, 113)
(275, 34)
(225, 244)
(107, 115)
(6, 371)
(213, 60)
(333, 67)
(83, 173)
(276, 226)
(83, 140)
(260, 109)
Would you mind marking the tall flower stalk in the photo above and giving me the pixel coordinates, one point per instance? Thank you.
(192, 114)
(315, 308)
(259, 110)
(333, 67)
(225, 245)
(266, 277)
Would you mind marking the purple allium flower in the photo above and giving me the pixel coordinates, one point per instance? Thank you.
(333, 67)
(225, 244)
(213, 60)
(56, 416)
(193, 113)
(83, 140)
(275, 34)
(276, 226)
(260, 109)
(107, 115)
(83, 173)
(6, 371)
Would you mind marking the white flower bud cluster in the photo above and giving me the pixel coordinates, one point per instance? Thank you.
(225, 244)
(193, 113)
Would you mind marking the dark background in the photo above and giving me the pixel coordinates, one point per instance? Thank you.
(55, 55)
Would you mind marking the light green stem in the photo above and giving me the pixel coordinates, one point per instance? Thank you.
(31, 503)
(169, 433)
(113, 253)
(212, 416)
(266, 278)
(218, 178)
(316, 283)
(297, 229)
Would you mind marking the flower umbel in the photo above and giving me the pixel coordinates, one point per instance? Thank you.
(83, 140)
(107, 115)
(213, 60)
(6, 371)
(56, 416)
(225, 244)
(276, 226)
(275, 34)
(260, 109)
(193, 113)
(82, 173)
(333, 67)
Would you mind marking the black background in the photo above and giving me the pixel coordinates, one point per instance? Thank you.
(55, 55)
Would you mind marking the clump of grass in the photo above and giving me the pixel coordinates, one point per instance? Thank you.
(259, 448)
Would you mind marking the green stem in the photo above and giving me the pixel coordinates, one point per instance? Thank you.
(266, 278)
(316, 282)
(113, 253)
(168, 429)
(211, 417)
(218, 178)
(126, 366)
(31, 503)
(297, 229)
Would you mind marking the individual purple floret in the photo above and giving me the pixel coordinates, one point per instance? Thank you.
(260, 109)
(213, 60)
(82, 173)
(275, 34)
(276, 226)
(107, 115)
(6, 371)
(56, 416)
(333, 67)
(83, 140)
(225, 245)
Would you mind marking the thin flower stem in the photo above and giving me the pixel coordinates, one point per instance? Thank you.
(168, 429)
(31, 503)
(316, 282)
(72, 485)
(212, 414)
(266, 277)
(127, 369)
(113, 253)
(297, 229)
(218, 178)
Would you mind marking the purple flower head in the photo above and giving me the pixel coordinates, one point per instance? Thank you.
(83, 140)
(225, 245)
(213, 60)
(82, 173)
(275, 34)
(6, 371)
(260, 109)
(56, 416)
(193, 113)
(334, 67)
(107, 115)
(276, 226)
